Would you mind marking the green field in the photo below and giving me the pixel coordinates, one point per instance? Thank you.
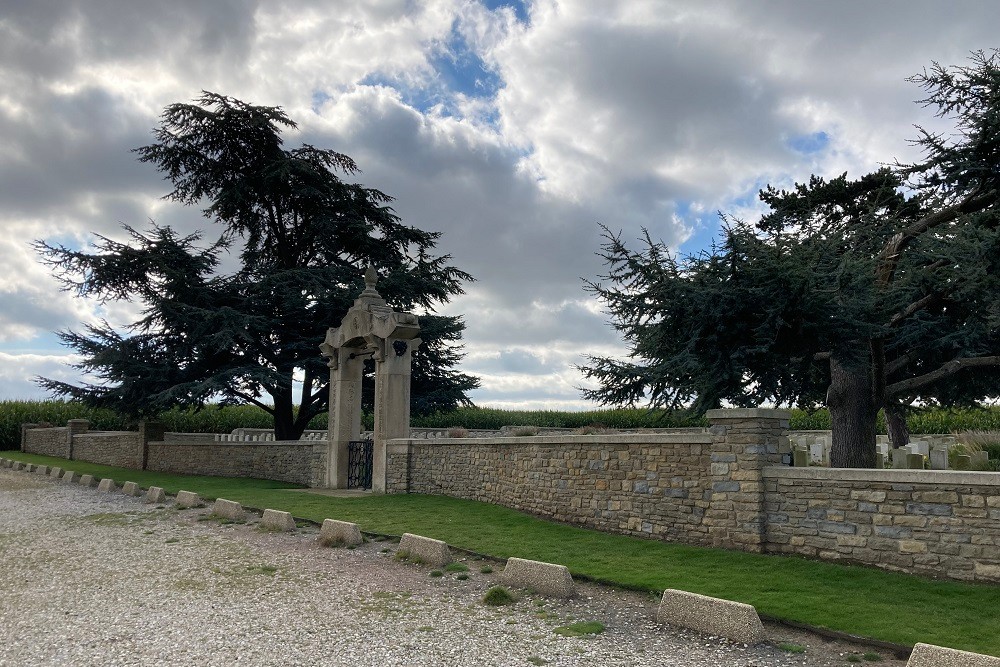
(863, 601)
(213, 419)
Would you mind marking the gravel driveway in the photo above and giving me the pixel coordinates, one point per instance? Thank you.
(90, 579)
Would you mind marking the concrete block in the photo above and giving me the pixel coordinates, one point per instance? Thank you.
(545, 578)
(433, 552)
(277, 520)
(131, 489)
(187, 499)
(31, 467)
(53, 472)
(18, 465)
(155, 494)
(733, 620)
(928, 655)
(339, 533)
(107, 485)
(71, 476)
(87, 480)
(229, 509)
(4, 463)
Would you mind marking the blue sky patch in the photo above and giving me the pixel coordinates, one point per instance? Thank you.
(520, 8)
(809, 143)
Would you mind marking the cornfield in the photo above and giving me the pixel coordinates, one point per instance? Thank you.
(213, 419)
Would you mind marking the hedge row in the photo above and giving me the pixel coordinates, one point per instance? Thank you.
(213, 419)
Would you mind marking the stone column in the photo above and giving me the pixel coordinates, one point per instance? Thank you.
(344, 422)
(74, 427)
(744, 441)
(24, 429)
(392, 403)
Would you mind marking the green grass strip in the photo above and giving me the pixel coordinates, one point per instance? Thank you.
(864, 601)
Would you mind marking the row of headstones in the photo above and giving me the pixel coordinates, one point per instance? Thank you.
(735, 621)
(910, 457)
(240, 437)
(264, 437)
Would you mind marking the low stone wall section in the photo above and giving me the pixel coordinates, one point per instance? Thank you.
(286, 461)
(938, 523)
(110, 448)
(652, 485)
(46, 441)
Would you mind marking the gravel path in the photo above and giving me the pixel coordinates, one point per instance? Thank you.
(93, 579)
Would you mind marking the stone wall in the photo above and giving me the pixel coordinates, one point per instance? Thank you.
(47, 441)
(936, 523)
(299, 461)
(286, 461)
(696, 487)
(639, 484)
(110, 448)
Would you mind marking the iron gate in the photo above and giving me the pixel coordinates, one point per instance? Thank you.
(359, 464)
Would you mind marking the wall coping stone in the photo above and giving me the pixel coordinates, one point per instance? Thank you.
(545, 578)
(928, 655)
(747, 413)
(895, 476)
(734, 620)
(611, 439)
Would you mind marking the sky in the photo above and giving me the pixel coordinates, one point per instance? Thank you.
(516, 129)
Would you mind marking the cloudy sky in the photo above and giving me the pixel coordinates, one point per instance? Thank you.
(515, 128)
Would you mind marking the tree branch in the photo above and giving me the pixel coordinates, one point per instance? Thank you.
(947, 369)
(914, 307)
(889, 256)
(250, 399)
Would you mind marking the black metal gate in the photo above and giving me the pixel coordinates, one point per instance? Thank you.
(359, 464)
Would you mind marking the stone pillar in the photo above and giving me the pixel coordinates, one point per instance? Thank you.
(74, 427)
(24, 433)
(148, 432)
(392, 403)
(344, 418)
(744, 442)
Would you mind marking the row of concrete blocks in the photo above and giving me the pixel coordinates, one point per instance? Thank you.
(735, 621)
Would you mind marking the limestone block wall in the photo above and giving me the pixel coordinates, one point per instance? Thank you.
(47, 441)
(286, 461)
(936, 523)
(653, 485)
(111, 448)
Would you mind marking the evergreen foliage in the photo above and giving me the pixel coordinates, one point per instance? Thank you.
(303, 237)
(869, 294)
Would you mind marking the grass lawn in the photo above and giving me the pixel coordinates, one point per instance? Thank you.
(863, 601)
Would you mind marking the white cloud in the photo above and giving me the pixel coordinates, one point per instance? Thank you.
(652, 113)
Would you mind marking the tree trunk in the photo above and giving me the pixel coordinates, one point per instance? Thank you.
(285, 427)
(853, 412)
(895, 424)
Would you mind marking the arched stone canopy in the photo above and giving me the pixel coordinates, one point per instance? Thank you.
(369, 329)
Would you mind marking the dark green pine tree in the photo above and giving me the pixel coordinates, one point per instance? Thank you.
(302, 237)
(868, 294)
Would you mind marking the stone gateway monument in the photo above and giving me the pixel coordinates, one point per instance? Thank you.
(371, 329)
